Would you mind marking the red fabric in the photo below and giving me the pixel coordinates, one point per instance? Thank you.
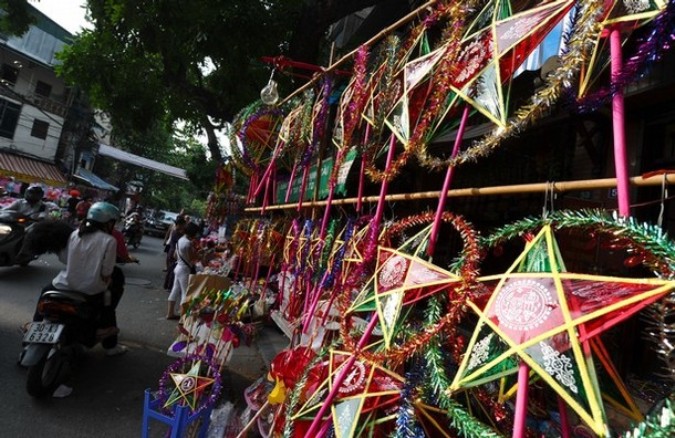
(82, 208)
(122, 251)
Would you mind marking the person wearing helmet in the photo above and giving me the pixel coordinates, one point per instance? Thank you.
(90, 257)
(31, 205)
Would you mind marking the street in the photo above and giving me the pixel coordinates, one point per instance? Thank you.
(107, 398)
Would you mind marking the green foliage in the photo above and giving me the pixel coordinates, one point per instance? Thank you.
(150, 61)
(159, 190)
(15, 17)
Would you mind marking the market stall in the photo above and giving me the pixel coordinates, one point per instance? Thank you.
(473, 310)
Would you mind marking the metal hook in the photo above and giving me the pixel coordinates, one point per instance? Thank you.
(549, 198)
(664, 196)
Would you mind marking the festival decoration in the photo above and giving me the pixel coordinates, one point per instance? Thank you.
(196, 383)
(623, 15)
(651, 44)
(189, 386)
(586, 31)
(368, 387)
(394, 76)
(558, 311)
(253, 134)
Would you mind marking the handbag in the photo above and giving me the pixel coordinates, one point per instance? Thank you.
(193, 268)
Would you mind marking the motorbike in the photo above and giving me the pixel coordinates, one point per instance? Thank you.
(133, 230)
(13, 229)
(52, 346)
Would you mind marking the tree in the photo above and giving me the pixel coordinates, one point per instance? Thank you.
(196, 61)
(15, 17)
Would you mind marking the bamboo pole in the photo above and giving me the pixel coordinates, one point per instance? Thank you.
(516, 189)
(384, 32)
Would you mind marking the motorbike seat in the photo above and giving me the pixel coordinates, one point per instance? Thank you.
(71, 295)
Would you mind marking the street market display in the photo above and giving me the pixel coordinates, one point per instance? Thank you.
(420, 325)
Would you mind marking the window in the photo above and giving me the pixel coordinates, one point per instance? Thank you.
(43, 89)
(40, 129)
(9, 117)
(9, 74)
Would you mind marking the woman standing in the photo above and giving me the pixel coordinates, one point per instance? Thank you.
(186, 259)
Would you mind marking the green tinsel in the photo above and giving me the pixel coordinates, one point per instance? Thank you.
(327, 248)
(465, 424)
(660, 424)
(636, 236)
(649, 241)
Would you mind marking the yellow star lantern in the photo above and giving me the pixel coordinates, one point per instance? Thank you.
(400, 279)
(543, 316)
(189, 387)
(485, 61)
(625, 15)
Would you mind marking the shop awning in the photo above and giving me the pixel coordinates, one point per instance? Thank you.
(147, 163)
(94, 180)
(31, 170)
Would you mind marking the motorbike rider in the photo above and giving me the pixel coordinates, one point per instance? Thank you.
(133, 226)
(31, 205)
(90, 258)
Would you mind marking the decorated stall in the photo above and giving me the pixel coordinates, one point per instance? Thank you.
(441, 258)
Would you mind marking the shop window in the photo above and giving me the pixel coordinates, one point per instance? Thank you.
(9, 74)
(43, 89)
(40, 129)
(9, 117)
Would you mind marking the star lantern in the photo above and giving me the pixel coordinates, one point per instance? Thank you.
(542, 315)
(190, 387)
(626, 15)
(365, 398)
(480, 73)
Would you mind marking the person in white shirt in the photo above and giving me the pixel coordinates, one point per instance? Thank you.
(90, 260)
(186, 259)
(32, 205)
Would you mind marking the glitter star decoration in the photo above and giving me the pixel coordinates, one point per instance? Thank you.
(540, 314)
(189, 387)
(484, 64)
(626, 15)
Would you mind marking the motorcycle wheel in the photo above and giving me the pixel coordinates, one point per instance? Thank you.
(46, 375)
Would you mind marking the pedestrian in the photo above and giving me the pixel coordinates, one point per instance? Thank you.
(186, 260)
(72, 205)
(171, 241)
(82, 207)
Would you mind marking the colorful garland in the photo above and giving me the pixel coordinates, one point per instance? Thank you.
(212, 370)
(467, 271)
(588, 30)
(650, 48)
(244, 159)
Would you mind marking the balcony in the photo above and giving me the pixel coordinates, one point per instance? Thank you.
(47, 104)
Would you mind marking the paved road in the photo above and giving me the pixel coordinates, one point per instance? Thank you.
(107, 400)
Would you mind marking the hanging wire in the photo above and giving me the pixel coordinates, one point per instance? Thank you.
(549, 198)
(664, 196)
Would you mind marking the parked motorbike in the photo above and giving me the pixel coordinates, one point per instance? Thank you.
(133, 230)
(13, 228)
(53, 345)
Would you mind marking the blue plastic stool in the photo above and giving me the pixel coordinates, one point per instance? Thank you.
(178, 422)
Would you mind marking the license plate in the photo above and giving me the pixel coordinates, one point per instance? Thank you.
(43, 333)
